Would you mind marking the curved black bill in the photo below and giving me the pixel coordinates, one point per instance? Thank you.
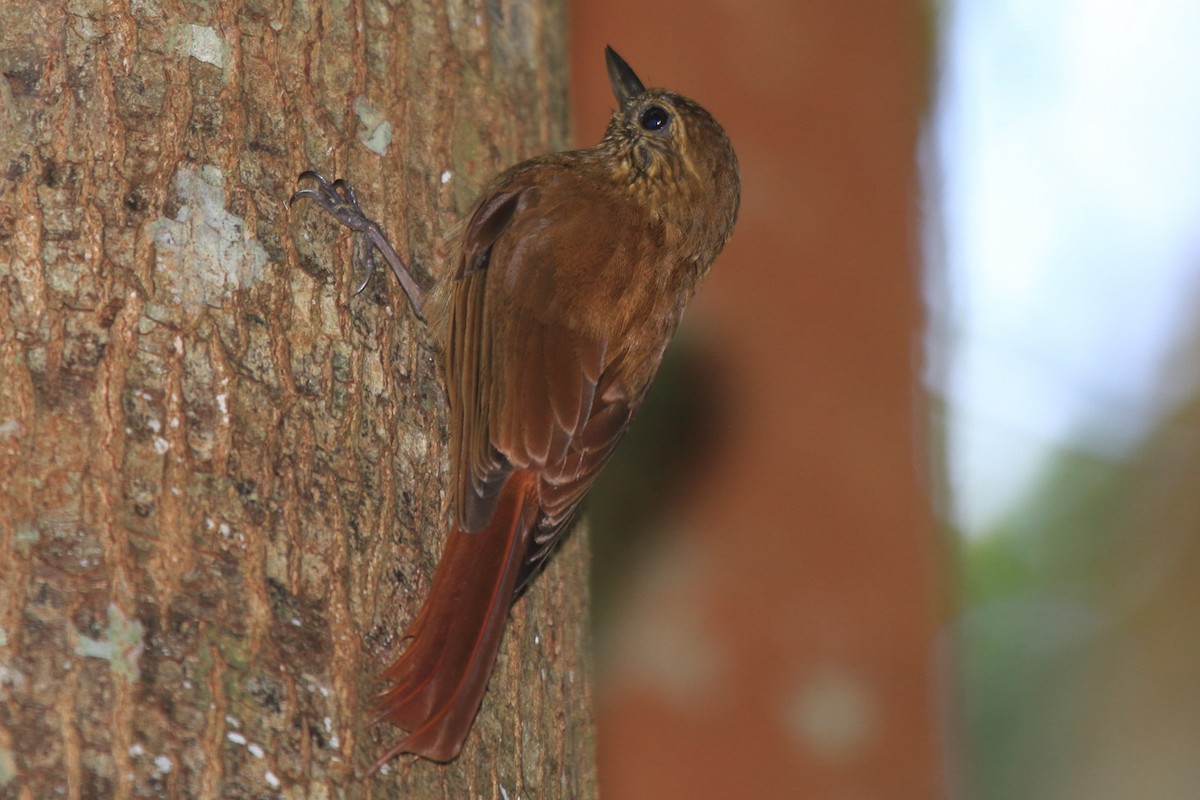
(625, 82)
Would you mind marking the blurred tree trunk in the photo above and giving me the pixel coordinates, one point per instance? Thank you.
(221, 477)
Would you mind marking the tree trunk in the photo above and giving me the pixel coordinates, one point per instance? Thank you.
(222, 478)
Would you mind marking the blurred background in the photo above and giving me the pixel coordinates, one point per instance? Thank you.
(912, 511)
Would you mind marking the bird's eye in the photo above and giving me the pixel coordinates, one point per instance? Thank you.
(654, 118)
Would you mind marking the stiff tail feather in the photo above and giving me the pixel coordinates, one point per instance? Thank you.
(436, 686)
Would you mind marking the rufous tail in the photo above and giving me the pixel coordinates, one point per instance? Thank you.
(436, 686)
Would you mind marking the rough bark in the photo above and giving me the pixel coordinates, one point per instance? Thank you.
(222, 479)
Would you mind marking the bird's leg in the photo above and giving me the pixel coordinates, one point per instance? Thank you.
(339, 201)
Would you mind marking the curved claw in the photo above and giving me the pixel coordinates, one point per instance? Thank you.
(322, 181)
(368, 271)
(316, 176)
(301, 194)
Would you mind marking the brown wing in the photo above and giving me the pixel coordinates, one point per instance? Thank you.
(535, 383)
(479, 470)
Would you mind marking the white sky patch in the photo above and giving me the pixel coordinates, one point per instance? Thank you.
(1067, 152)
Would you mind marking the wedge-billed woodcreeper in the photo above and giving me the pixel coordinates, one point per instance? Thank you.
(568, 282)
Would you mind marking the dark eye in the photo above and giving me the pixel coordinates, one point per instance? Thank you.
(654, 118)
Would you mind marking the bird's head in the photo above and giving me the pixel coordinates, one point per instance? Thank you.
(674, 155)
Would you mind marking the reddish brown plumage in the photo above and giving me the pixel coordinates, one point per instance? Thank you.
(436, 685)
(572, 274)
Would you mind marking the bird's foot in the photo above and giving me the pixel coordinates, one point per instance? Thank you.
(339, 200)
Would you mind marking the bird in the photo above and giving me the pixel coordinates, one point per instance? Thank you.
(563, 290)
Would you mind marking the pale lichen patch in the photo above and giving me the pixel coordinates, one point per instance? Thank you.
(201, 43)
(10, 676)
(8, 768)
(377, 131)
(122, 647)
(203, 255)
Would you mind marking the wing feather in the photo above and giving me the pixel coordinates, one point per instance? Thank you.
(557, 400)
